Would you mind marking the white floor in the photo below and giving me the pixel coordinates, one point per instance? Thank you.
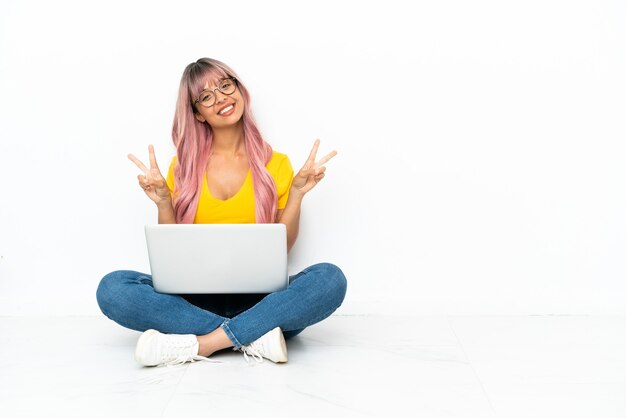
(346, 366)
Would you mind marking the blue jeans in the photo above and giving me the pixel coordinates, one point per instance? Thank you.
(128, 298)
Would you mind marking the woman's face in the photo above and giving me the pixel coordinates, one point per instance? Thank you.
(227, 109)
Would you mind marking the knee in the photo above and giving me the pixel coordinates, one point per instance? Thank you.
(334, 280)
(108, 289)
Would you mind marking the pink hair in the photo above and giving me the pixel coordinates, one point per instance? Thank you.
(193, 140)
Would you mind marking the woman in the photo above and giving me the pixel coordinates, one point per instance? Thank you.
(224, 172)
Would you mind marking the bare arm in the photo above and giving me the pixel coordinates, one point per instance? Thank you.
(166, 212)
(309, 175)
(290, 216)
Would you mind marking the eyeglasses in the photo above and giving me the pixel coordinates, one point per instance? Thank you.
(226, 86)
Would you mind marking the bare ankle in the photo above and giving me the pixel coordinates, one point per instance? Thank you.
(202, 349)
(214, 341)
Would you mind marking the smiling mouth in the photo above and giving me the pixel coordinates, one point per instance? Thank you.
(227, 109)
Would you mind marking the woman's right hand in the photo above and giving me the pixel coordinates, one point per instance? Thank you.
(152, 181)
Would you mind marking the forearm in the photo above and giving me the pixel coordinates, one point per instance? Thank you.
(291, 217)
(166, 212)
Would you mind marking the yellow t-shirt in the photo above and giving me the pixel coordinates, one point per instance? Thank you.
(240, 208)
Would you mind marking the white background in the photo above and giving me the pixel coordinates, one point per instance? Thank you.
(481, 144)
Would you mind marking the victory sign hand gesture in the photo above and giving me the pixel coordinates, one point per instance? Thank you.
(312, 172)
(152, 181)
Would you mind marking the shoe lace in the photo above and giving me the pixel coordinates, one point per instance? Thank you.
(254, 349)
(180, 354)
(187, 359)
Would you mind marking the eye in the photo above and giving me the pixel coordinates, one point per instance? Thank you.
(226, 84)
(205, 97)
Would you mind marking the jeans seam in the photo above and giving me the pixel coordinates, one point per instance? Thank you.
(230, 335)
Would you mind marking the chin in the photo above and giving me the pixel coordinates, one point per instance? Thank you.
(232, 120)
(237, 116)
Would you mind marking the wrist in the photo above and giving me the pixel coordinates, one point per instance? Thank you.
(295, 194)
(165, 203)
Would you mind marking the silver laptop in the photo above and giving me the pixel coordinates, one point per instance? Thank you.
(218, 258)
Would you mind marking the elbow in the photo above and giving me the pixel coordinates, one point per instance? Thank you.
(290, 243)
(292, 236)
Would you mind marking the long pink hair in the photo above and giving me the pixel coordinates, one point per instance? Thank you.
(193, 140)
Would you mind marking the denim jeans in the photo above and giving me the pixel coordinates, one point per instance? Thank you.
(128, 298)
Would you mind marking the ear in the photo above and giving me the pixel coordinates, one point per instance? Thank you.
(200, 117)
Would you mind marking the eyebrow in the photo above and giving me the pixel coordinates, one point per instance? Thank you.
(218, 81)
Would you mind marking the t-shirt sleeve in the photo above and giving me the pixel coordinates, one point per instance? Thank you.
(170, 175)
(284, 178)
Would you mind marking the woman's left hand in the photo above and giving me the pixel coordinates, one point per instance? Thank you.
(312, 172)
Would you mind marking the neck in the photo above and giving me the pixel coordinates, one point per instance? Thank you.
(229, 141)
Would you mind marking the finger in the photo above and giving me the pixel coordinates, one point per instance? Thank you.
(319, 170)
(153, 162)
(137, 163)
(313, 153)
(306, 172)
(143, 182)
(327, 158)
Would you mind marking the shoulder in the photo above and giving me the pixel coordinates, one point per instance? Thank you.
(170, 174)
(173, 163)
(278, 161)
(278, 157)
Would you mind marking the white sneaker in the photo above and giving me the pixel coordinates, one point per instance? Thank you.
(271, 346)
(157, 349)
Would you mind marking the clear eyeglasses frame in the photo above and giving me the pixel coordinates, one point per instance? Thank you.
(225, 86)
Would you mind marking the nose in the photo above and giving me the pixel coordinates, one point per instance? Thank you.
(219, 96)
